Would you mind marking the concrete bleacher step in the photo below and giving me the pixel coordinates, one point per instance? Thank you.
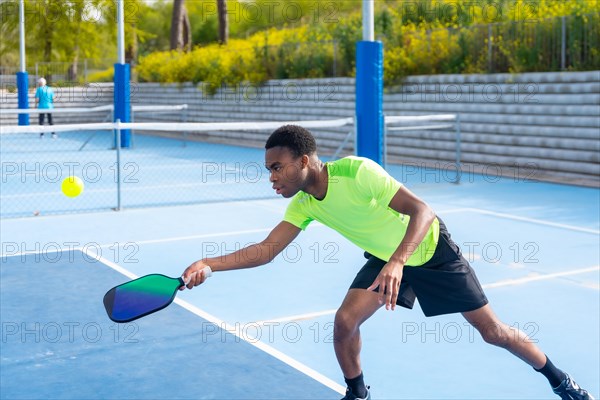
(550, 120)
(490, 108)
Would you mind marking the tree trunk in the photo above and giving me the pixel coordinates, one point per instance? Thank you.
(131, 51)
(47, 29)
(177, 25)
(223, 22)
(73, 70)
(187, 31)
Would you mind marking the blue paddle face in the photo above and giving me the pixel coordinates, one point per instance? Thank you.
(140, 297)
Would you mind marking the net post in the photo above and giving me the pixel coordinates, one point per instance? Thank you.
(22, 77)
(458, 155)
(122, 100)
(23, 96)
(369, 100)
(385, 140)
(117, 132)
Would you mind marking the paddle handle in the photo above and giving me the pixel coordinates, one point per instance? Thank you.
(207, 273)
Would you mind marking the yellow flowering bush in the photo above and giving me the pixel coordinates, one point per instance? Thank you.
(101, 76)
(420, 37)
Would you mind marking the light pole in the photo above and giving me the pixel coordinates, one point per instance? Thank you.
(369, 90)
(122, 100)
(22, 76)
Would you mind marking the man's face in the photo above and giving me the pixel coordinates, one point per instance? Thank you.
(287, 173)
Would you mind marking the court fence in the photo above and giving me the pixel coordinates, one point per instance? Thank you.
(567, 43)
(56, 72)
(168, 163)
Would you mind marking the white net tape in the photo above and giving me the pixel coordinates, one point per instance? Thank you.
(180, 127)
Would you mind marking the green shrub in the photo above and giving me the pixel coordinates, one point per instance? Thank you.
(101, 76)
(522, 39)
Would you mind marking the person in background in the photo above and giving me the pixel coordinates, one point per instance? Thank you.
(44, 99)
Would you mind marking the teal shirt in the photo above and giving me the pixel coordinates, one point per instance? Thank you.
(356, 205)
(45, 96)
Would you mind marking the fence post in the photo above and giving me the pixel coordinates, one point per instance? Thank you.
(458, 155)
(385, 142)
(563, 44)
(118, 172)
(334, 58)
(133, 130)
(489, 55)
(185, 120)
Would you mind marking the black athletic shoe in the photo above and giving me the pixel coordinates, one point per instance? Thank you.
(569, 390)
(351, 396)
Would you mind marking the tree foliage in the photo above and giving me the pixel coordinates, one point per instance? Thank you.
(59, 31)
(299, 38)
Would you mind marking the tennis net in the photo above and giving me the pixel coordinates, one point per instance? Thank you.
(174, 163)
(163, 167)
(423, 141)
(66, 119)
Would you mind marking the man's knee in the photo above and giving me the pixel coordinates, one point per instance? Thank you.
(496, 334)
(345, 324)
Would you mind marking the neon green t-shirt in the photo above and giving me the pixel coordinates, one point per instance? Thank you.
(356, 205)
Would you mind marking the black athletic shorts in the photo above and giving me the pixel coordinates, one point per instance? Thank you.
(445, 284)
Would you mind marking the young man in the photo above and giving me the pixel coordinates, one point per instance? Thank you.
(44, 99)
(409, 253)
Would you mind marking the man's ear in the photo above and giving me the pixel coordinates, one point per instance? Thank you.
(305, 160)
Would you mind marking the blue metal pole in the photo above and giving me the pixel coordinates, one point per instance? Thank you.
(369, 100)
(122, 102)
(22, 76)
(23, 96)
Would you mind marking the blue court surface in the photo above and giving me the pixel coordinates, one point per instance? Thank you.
(266, 333)
(155, 171)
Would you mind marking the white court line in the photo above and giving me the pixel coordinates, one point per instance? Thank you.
(278, 209)
(85, 248)
(524, 219)
(203, 236)
(193, 237)
(508, 282)
(237, 331)
(203, 164)
(542, 277)
(299, 317)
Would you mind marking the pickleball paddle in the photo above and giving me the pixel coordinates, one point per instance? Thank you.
(143, 296)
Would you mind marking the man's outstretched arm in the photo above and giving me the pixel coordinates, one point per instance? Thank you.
(251, 256)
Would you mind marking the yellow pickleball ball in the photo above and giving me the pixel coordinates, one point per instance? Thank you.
(72, 186)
